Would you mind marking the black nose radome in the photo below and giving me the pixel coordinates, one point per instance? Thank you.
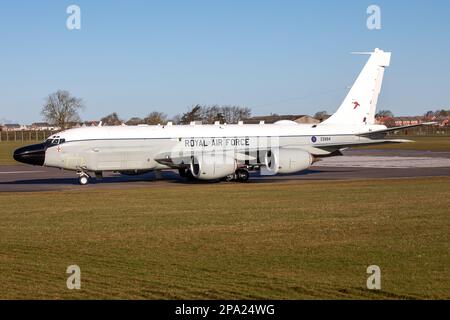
(33, 154)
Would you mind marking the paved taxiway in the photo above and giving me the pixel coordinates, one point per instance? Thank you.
(354, 165)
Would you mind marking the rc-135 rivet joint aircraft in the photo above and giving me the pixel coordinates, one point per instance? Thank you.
(221, 151)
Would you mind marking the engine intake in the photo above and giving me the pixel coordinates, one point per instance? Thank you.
(287, 160)
(211, 166)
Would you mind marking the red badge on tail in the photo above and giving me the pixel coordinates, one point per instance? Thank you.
(356, 103)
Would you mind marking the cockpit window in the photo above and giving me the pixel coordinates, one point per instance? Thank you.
(54, 142)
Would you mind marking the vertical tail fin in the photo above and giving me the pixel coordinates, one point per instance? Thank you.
(360, 104)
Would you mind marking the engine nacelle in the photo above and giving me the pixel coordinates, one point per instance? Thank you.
(210, 166)
(287, 160)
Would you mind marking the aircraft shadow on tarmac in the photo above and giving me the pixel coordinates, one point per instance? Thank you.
(74, 180)
(170, 177)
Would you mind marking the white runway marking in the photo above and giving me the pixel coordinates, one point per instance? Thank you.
(384, 162)
(15, 172)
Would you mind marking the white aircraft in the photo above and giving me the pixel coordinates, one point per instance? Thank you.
(213, 152)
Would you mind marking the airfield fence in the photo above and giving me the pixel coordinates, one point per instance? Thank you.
(25, 135)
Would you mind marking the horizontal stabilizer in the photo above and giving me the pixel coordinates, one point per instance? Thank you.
(398, 141)
(377, 132)
(333, 147)
(329, 149)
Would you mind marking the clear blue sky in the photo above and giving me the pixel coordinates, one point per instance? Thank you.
(287, 57)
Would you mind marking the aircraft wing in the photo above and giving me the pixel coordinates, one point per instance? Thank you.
(331, 149)
(183, 161)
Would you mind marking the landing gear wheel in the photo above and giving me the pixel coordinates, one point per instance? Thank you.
(229, 178)
(187, 174)
(83, 180)
(183, 172)
(242, 175)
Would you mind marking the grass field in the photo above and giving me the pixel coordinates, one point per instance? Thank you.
(280, 241)
(7, 148)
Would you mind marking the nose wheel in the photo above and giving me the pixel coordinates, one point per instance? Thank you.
(83, 178)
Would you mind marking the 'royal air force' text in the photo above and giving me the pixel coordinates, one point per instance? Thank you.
(217, 142)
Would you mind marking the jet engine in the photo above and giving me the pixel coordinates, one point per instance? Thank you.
(212, 166)
(287, 160)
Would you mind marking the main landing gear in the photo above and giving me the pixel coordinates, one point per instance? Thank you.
(240, 175)
(83, 178)
(186, 173)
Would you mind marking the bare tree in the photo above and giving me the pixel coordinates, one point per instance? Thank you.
(195, 114)
(61, 108)
(219, 117)
(111, 120)
(176, 119)
(233, 114)
(241, 113)
(156, 117)
(442, 113)
(429, 114)
(384, 113)
(319, 115)
(210, 114)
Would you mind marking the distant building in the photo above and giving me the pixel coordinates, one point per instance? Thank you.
(73, 124)
(324, 117)
(91, 123)
(38, 126)
(441, 121)
(406, 121)
(135, 121)
(11, 127)
(309, 119)
(387, 121)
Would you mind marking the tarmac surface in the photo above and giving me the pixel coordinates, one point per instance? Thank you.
(353, 165)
